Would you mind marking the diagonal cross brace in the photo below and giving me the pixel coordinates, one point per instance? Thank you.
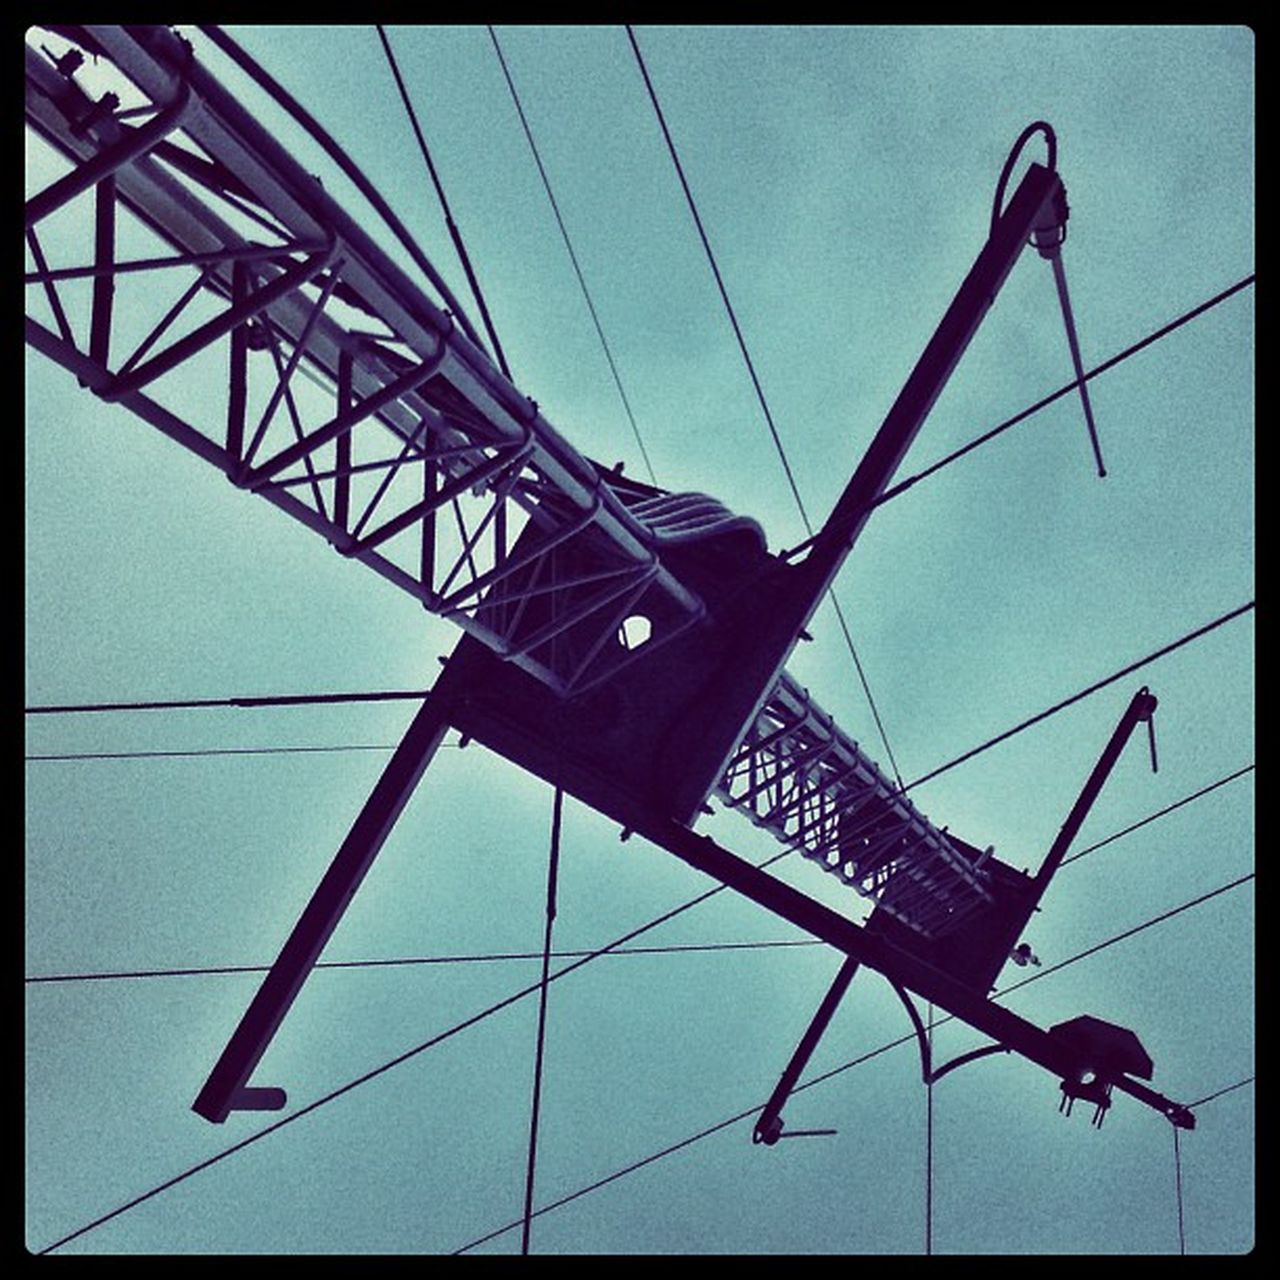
(227, 1088)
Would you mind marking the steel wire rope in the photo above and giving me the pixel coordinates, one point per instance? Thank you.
(1083, 693)
(573, 257)
(274, 89)
(759, 390)
(332, 1095)
(454, 234)
(401, 961)
(1177, 1179)
(1177, 1158)
(1022, 415)
(560, 955)
(553, 868)
(908, 1038)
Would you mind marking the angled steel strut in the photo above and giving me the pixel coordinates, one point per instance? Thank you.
(622, 642)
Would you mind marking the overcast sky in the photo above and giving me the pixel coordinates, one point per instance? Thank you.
(845, 178)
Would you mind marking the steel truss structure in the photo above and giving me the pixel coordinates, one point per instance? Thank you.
(796, 774)
(364, 406)
(359, 406)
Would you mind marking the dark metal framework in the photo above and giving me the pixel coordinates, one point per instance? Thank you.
(358, 405)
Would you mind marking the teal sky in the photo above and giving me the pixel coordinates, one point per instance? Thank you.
(845, 178)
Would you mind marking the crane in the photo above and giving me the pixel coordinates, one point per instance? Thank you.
(627, 644)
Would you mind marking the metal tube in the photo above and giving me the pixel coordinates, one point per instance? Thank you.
(769, 1126)
(223, 1091)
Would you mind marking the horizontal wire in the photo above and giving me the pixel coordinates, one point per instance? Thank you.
(484, 1013)
(267, 700)
(884, 1048)
(951, 764)
(621, 950)
(421, 960)
(212, 751)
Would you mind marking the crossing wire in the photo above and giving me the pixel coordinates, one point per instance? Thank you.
(855, 1062)
(889, 494)
(671, 949)
(528, 990)
(573, 257)
(760, 396)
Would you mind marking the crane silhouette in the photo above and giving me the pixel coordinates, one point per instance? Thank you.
(627, 644)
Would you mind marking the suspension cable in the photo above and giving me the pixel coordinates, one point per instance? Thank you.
(454, 233)
(277, 91)
(535, 1109)
(573, 257)
(759, 390)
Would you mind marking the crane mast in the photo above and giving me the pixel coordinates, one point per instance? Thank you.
(358, 400)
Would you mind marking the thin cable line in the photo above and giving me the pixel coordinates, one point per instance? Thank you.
(394, 1062)
(212, 751)
(1177, 1177)
(908, 1038)
(493, 957)
(755, 382)
(902, 486)
(264, 700)
(1160, 813)
(536, 1105)
(573, 257)
(928, 1146)
(1231, 1088)
(512, 999)
(454, 233)
(1083, 693)
(674, 948)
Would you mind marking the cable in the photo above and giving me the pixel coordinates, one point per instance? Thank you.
(418, 960)
(1051, 141)
(394, 1062)
(519, 995)
(268, 700)
(827, 1075)
(1177, 1177)
(928, 1146)
(1084, 693)
(211, 751)
(536, 1106)
(902, 486)
(615, 950)
(755, 382)
(1160, 813)
(454, 233)
(573, 257)
(267, 82)
(1231, 1088)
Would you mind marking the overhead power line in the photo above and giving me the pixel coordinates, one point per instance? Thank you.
(895, 491)
(672, 949)
(1083, 693)
(1195, 634)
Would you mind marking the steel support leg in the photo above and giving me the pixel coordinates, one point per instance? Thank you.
(227, 1089)
(769, 1127)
